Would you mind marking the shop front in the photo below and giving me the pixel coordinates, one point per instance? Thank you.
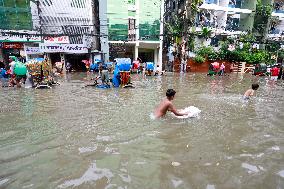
(146, 51)
(11, 49)
(74, 54)
(14, 45)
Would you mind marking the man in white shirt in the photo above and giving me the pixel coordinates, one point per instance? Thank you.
(12, 63)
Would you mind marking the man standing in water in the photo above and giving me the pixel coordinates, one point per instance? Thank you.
(166, 105)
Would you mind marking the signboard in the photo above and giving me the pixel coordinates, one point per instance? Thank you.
(56, 40)
(66, 48)
(32, 50)
(20, 38)
(13, 46)
(32, 38)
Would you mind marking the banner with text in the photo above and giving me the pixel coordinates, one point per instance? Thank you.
(64, 48)
(56, 40)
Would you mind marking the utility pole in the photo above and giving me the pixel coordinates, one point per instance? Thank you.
(161, 37)
(37, 2)
(94, 32)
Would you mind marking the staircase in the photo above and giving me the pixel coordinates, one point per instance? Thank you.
(241, 68)
(237, 68)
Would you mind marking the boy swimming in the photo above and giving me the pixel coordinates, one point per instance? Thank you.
(166, 105)
(251, 91)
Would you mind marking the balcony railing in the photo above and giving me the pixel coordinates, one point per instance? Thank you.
(211, 1)
(235, 3)
(278, 8)
(275, 31)
(233, 24)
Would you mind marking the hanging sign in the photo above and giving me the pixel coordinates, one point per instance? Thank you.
(66, 48)
(32, 50)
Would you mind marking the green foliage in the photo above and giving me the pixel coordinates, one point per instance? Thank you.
(190, 42)
(273, 47)
(257, 57)
(206, 32)
(175, 28)
(224, 52)
(281, 54)
(247, 38)
(199, 59)
(205, 51)
(262, 16)
(194, 9)
(264, 10)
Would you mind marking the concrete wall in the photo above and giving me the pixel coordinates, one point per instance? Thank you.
(104, 29)
(54, 14)
(247, 20)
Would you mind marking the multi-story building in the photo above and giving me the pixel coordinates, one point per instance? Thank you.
(14, 15)
(65, 30)
(276, 29)
(134, 29)
(78, 23)
(230, 17)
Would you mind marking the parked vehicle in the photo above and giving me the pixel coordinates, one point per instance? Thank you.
(260, 69)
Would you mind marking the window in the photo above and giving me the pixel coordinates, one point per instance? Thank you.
(78, 3)
(131, 2)
(131, 29)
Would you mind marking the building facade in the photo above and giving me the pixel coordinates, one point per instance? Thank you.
(231, 17)
(77, 23)
(65, 30)
(14, 15)
(134, 29)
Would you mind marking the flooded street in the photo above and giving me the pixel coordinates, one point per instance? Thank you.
(76, 137)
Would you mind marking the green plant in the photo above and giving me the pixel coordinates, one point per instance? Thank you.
(223, 51)
(273, 47)
(264, 10)
(199, 59)
(175, 28)
(257, 57)
(205, 51)
(247, 38)
(262, 17)
(190, 42)
(206, 32)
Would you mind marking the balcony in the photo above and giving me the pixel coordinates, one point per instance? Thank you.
(211, 2)
(233, 23)
(235, 4)
(278, 7)
(276, 27)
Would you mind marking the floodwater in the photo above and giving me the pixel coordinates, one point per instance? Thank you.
(76, 137)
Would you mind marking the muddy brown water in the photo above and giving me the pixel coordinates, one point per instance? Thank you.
(76, 137)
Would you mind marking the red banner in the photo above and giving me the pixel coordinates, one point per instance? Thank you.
(13, 46)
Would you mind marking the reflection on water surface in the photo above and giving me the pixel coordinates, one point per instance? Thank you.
(76, 137)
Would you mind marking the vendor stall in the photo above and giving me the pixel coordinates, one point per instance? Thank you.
(40, 70)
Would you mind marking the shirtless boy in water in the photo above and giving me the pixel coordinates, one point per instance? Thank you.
(251, 91)
(166, 105)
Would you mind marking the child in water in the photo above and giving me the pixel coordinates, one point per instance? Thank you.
(251, 91)
(166, 105)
